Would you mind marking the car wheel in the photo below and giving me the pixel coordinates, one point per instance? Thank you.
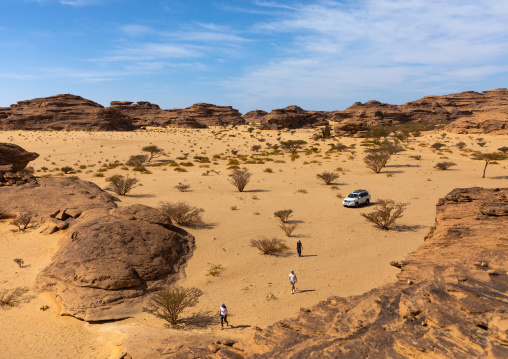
(367, 202)
(356, 204)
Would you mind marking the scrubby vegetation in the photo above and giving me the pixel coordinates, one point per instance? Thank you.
(489, 158)
(22, 221)
(240, 179)
(122, 185)
(168, 304)
(182, 213)
(269, 245)
(283, 215)
(328, 177)
(442, 166)
(376, 161)
(386, 213)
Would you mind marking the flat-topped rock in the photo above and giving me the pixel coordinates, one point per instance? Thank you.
(14, 158)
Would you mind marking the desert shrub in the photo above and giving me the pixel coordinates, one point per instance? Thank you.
(386, 146)
(376, 161)
(180, 169)
(240, 179)
(268, 170)
(186, 164)
(66, 169)
(255, 148)
(168, 304)
(460, 145)
(444, 165)
(19, 262)
(283, 214)
(437, 145)
(328, 177)
(301, 190)
(416, 157)
(387, 212)
(288, 228)
(121, 185)
(269, 245)
(481, 143)
(503, 149)
(153, 150)
(182, 213)
(214, 270)
(182, 187)
(137, 160)
(22, 221)
(9, 298)
(294, 156)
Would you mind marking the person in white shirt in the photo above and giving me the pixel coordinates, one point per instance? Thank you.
(292, 280)
(223, 315)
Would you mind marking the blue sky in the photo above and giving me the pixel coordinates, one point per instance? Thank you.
(251, 54)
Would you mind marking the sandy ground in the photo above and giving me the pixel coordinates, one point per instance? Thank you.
(343, 254)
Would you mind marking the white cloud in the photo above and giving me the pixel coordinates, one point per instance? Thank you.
(79, 2)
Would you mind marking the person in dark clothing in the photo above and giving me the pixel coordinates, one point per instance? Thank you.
(223, 315)
(299, 248)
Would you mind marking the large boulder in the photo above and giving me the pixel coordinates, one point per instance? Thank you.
(52, 195)
(111, 259)
(14, 158)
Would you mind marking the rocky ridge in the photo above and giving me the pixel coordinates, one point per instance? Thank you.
(450, 300)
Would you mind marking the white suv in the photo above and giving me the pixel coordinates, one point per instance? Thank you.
(357, 198)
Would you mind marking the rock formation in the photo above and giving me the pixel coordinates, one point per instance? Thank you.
(450, 300)
(254, 116)
(14, 159)
(289, 117)
(111, 258)
(62, 112)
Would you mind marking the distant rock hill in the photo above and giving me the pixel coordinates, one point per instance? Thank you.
(466, 112)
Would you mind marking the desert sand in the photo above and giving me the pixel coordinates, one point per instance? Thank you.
(343, 254)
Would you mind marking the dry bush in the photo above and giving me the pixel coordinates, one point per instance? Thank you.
(137, 160)
(444, 165)
(182, 187)
(240, 179)
(10, 298)
(153, 150)
(22, 221)
(288, 228)
(416, 157)
(292, 145)
(169, 303)
(460, 145)
(283, 214)
(387, 212)
(503, 149)
(437, 145)
(328, 177)
(214, 270)
(269, 245)
(182, 213)
(66, 169)
(121, 185)
(376, 161)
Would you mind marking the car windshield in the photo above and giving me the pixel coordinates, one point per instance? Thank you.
(352, 195)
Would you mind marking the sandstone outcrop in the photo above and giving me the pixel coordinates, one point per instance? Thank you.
(450, 300)
(14, 157)
(290, 117)
(111, 258)
(54, 194)
(254, 116)
(63, 112)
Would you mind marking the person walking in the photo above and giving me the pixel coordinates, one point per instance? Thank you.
(299, 248)
(223, 315)
(292, 280)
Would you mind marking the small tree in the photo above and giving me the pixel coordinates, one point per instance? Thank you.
(169, 303)
(66, 169)
(137, 160)
(255, 148)
(153, 150)
(386, 214)
(283, 215)
(489, 157)
(22, 221)
(376, 161)
(460, 145)
(292, 145)
(328, 177)
(121, 185)
(182, 213)
(444, 165)
(269, 246)
(438, 145)
(240, 179)
(503, 149)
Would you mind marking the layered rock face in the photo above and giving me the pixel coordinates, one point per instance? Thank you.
(62, 112)
(289, 117)
(14, 159)
(200, 115)
(466, 112)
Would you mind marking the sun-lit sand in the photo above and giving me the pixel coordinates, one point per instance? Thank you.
(343, 254)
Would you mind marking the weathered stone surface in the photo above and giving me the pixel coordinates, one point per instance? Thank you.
(63, 112)
(290, 117)
(14, 158)
(254, 116)
(140, 212)
(54, 194)
(111, 259)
